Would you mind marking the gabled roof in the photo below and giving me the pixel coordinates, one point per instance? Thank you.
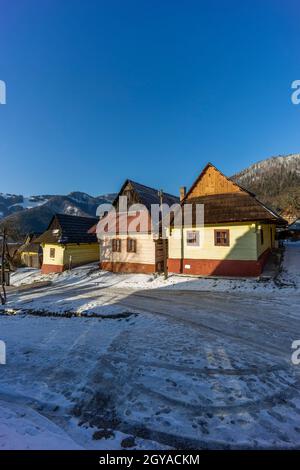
(64, 228)
(31, 244)
(234, 204)
(147, 195)
(210, 165)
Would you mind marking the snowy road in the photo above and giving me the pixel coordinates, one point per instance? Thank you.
(270, 322)
(171, 367)
(202, 369)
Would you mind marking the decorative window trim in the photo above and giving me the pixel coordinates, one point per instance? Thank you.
(193, 238)
(221, 240)
(262, 236)
(116, 245)
(131, 245)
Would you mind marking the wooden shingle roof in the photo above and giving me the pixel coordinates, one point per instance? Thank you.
(237, 207)
(225, 201)
(31, 244)
(147, 195)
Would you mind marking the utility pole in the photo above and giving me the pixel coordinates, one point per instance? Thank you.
(163, 233)
(3, 294)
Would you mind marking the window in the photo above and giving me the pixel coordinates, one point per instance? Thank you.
(262, 236)
(192, 238)
(131, 245)
(221, 237)
(116, 245)
(52, 252)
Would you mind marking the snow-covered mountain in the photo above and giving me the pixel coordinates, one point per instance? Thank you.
(32, 214)
(11, 203)
(276, 181)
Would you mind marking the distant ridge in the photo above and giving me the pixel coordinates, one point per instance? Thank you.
(276, 181)
(34, 213)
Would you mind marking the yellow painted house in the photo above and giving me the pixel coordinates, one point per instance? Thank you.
(31, 252)
(236, 237)
(67, 243)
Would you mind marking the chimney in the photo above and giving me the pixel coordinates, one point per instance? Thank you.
(182, 191)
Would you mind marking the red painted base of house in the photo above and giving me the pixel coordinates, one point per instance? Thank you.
(211, 267)
(127, 267)
(52, 268)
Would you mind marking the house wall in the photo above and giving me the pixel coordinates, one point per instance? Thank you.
(243, 243)
(59, 254)
(81, 254)
(30, 259)
(241, 258)
(144, 260)
(269, 239)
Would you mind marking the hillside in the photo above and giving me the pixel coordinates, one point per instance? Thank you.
(33, 214)
(12, 203)
(276, 181)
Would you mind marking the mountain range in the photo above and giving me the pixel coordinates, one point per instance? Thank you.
(275, 181)
(33, 214)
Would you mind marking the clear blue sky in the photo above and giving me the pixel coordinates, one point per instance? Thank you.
(99, 91)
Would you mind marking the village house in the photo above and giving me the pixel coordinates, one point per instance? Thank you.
(141, 250)
(31, 252)
(67, 243)
(238, 232)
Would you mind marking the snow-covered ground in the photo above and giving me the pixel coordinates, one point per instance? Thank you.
(90, 275)
(182, 363)
(23, 428)
(81, 290)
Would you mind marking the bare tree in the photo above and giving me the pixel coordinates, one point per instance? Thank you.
(13, 240)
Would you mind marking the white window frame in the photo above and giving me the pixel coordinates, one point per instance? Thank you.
(196, 242)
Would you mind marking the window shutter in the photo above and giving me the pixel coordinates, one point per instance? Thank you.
(131, 245)
(116, 245)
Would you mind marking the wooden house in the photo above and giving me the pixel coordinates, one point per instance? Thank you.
(31, 252)
(238, 232)
(67, 243)
(140, 251)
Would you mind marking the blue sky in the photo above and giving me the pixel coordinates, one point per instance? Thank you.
(100, 91)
